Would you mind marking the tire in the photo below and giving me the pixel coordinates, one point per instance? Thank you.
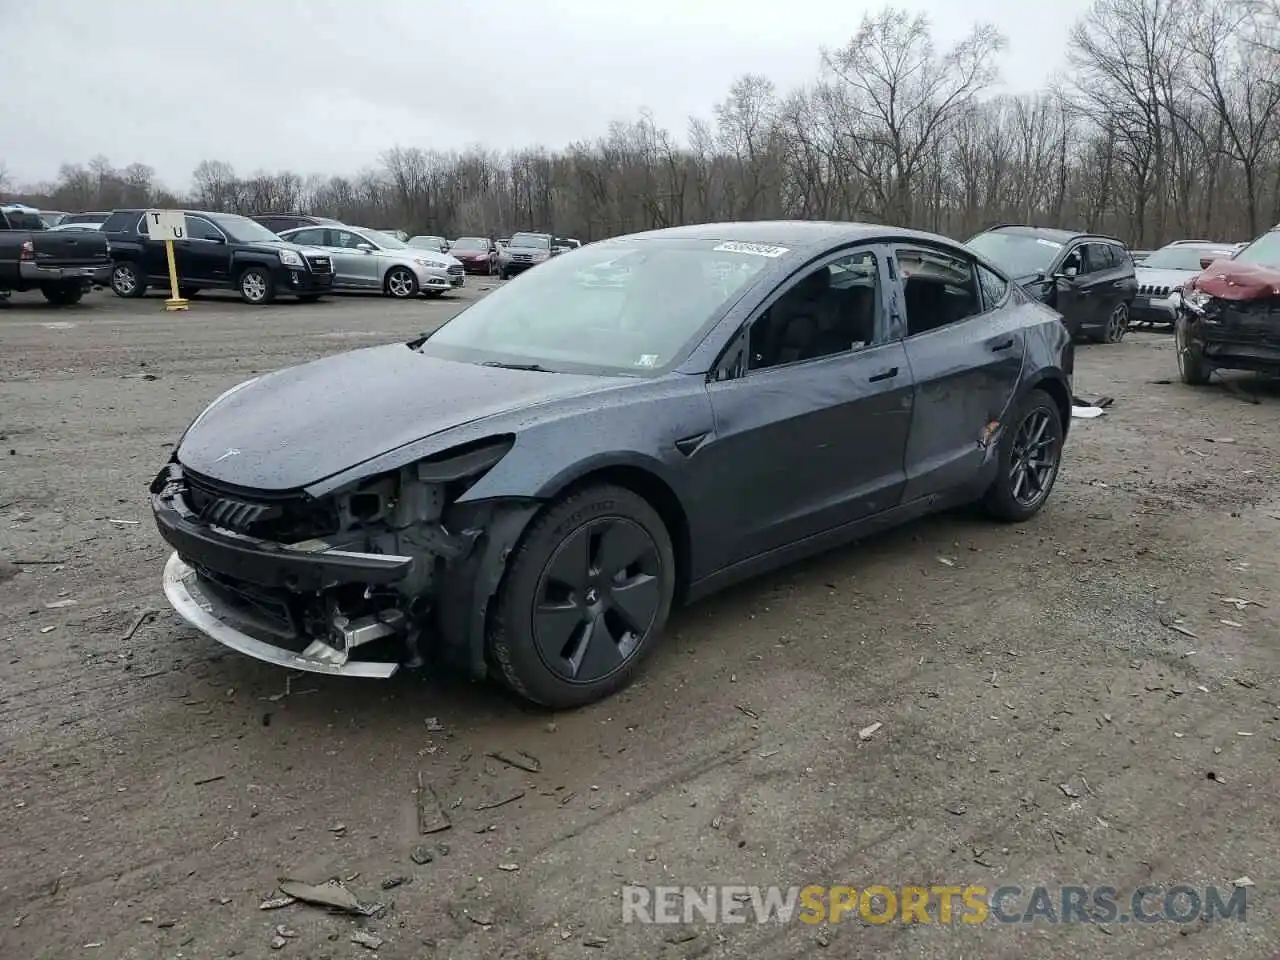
(400, 283)
(256, 286)
(1005, 498)
(535, 658)
(127, 280)
(503, 275)
(1191, 364)
(1117, 324)
(62, 294)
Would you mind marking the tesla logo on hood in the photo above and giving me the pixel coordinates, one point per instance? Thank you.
(231, 452)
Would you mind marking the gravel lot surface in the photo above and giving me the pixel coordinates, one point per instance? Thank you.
(155, 787)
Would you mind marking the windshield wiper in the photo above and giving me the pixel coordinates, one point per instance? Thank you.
(515, 366)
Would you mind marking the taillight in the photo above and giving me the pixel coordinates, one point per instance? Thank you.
(28, 251)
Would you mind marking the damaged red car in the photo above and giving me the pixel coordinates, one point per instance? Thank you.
(1228, 316)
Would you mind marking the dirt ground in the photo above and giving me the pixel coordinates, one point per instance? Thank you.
(155, 788)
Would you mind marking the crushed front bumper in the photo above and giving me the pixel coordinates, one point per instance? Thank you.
(1237, 335)
(182, 589)
(237, 589)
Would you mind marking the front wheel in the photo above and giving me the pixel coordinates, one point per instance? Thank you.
(126, 280)
(584, 598)
(1028, 460)
(62, 294)
(256, 286)
(1191, 366)
(401, 283)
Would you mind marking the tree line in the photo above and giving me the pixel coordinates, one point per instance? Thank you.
(1165, 126)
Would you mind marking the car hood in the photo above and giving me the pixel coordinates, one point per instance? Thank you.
(1163, 277)
(297, 426)
(1228, 280)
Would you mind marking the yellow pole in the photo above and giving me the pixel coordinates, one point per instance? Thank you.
(175, 301)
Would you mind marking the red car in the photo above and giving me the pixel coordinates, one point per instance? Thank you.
(476, 254)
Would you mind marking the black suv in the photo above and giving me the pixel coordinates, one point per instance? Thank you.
(221, 251)
(1087, 278)
(280, 222)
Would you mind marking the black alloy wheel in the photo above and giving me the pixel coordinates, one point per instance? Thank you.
(1029, 458)
(585, 595)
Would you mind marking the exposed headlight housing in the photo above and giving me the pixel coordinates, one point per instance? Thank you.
(290, 258)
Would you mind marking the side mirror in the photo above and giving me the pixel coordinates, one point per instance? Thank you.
(1068, 273)
(365, 247)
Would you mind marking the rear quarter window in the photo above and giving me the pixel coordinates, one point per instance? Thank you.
(121, 221)
(21, 220)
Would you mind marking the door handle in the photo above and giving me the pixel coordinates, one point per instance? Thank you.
(884, 375)
(1004, 345)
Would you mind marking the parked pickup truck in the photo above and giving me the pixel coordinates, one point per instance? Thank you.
(61, 264)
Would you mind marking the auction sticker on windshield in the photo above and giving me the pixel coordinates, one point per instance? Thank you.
(759, 249)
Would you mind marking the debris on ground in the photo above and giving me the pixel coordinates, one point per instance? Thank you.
(431, 815)
(331, 894)
(518, 759)
(275, 903)
(1242, 882)
(946, 561)
(1068, 790)
(596, 942)
(866, 733)
(392, 882)
(366, 940)
(1241, 602)
(508, 867)
(746, 712)
(283, 931)
(434, 725)
(420, 855)
(142, 618)
(501, 802)
(1086, 413)
(1092, 400)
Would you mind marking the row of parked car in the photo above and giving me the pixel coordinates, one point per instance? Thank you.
(260, 257)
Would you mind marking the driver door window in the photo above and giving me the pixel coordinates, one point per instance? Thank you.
(347, 240)
(828, 311)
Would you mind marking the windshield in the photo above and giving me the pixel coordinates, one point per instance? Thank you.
(244, 230)
(1183, 257)
(386, 240)
(470, 243)
(625, 307)
(1017, 254)
(539, 241)
(1265, 251)
(433, 242)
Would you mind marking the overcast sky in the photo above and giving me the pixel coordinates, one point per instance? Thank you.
(325, 86)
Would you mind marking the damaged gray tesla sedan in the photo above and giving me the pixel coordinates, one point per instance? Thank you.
(525, 492)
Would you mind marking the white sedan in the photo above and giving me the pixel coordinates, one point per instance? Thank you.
(366, 260)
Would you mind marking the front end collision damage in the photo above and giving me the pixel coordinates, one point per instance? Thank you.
(1229, 318)
(397, 564)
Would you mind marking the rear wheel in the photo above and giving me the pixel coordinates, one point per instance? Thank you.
(1191, 365)
(1117, 324)
(584, 598)
(1029, 456)
(126, 280)
(62, 294)
(401, 283)
(256, 286)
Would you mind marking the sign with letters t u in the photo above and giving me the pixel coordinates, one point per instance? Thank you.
(166, 225)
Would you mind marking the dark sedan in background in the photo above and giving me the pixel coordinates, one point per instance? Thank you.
(526, 491)
(1088, 278)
